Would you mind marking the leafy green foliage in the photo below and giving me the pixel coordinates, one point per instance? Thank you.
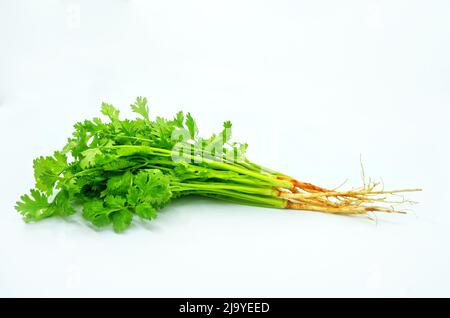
(62, 204)
(153, 187)
(95, 212)
(110, 111)
(146, 211)
(191, 125)
(121, 220)
(122, 168)
(119, 184)
(47, 171)
(140, 107)
(33, 208)
(89, 157)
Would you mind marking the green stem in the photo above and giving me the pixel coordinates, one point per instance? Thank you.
(243, 198)
(246, 163)
(212, 163)
(265, 191)
(250, 195)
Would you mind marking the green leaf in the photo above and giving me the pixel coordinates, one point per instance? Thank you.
(119, 184)
(154, 187)
(179, 119)
(96, 213)
(115, 201)
(34, 208)
(191, 125)
(146, 211)
(133, 196)
(162, 130)
(69, 184)
(61, 204)
(110, 111)
(140, 107)
(48, 169)
(89, 157)
(121, 220)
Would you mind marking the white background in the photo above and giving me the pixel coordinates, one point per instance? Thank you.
(310, 85)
